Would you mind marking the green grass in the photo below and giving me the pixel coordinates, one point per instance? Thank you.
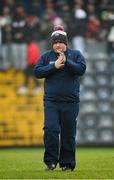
(27, 163)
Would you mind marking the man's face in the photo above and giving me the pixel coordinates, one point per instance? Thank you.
(59, 46)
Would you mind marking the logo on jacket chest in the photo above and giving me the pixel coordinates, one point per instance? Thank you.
(51, 62)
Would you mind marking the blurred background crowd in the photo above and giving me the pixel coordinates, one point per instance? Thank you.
(33, 20)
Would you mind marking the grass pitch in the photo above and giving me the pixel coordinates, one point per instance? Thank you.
(27, 163)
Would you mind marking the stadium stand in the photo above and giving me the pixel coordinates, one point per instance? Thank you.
(21, 117)
(96, 123)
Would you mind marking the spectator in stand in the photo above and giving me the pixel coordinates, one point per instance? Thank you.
(36, 8)
(66, 14)
(34, 28)
(46, 26)
(33, 54)
(19, 38)
(80, 18)
(93, 28)
(110, 30)
(9, 3)
(6, 39)
(93, 23)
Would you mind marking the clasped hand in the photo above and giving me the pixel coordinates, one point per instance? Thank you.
(60, 62)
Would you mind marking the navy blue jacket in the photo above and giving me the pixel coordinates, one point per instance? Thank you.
(61, 84)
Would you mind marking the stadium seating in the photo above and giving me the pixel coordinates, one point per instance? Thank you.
(96, 122)
(21, 116)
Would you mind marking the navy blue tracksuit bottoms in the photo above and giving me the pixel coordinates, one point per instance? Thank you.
(60, 133)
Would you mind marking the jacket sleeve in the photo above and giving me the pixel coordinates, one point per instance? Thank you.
(77, 65)
(42, 69)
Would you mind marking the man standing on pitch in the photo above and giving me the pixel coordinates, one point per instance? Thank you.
(61, 67)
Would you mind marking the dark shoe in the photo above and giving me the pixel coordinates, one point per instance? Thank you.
(65, 168)
(51, 167)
